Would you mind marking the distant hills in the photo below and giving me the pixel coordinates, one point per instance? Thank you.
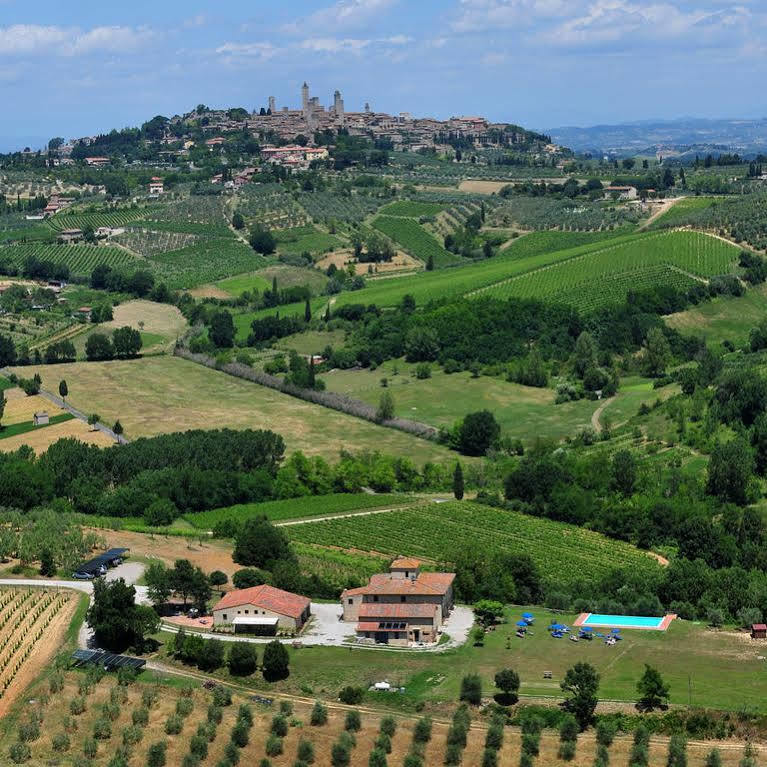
(670, 137)
(17, 143)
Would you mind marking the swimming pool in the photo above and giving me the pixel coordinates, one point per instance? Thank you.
(624, 621)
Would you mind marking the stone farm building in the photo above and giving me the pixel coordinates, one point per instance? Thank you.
(261, 610)
(402, 606)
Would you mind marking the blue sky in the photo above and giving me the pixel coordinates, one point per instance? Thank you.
(80, 67)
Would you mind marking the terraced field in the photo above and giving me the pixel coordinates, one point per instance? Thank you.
(435, 533)
(81, 259)
(114, 219)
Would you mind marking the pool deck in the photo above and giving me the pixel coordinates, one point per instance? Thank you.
(662, 626)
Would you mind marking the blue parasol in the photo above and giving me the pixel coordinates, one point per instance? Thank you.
(615, 631)
(521, 623)
(527, 615)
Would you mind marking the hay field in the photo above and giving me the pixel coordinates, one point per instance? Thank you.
(166, 394)
(476, 186)
(161, 320)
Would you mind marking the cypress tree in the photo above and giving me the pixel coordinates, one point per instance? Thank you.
(458, 481)
(307, 312)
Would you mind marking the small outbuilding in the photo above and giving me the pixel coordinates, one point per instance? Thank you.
(759, 631)
(41, 419)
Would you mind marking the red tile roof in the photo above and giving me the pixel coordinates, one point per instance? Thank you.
(759, 627)
(403, 563)
(396, 610)
(426, 584)
(266, 597)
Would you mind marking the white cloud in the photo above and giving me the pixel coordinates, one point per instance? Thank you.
(70, 41)
(342, 15)
(334, 45)
(261, 51)
(478, 15)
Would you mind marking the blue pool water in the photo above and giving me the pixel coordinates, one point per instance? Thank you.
(622, 621)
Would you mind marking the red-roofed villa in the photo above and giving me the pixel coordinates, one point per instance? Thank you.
(261, 610)
(402, 606)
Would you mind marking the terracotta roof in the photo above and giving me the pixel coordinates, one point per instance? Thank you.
(404, 563)
(396, 610)
(759, 627)
(267, 597)
(424, 584)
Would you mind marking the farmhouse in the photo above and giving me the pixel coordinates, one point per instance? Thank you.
(623, 192)
(402, 606)
(71, 235)
(156, 186)
(261, 610)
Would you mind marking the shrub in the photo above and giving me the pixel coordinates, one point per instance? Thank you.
(677, 752)
(184, 706)
(319, 715)
(453, 755)
(602, 759)
(494, 737)
(90, 747)
(56, 683)
(422, 730)
(155, 756)
(240, 736)
(383, 741)
(286, 708)
(215, 713)
(531, 744)
(351, 695)
(377, 758)
(148, 697)
(132, 735)
(340, 755)
(243, 659)
(305, 751)
(714, 758)
(605, 731)
(388, 726)
(111, 711)
(347, 739)
(232, 752)
(126, 676)
(222, 696)
(173, 724)
(102, 729)
(77, 706)
(413, 760)
(353, 722)
(117, 695)
(190, 760)
(198, 745)
(471, 689)
(279, 726)
(566, 750)
(140, 716)
(60, 742)
(29, 731)
(489, 758)
(245, 714)
(422, 371)
(568, 728)
(525, 760)
(19, 753)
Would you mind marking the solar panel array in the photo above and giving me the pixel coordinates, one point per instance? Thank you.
(107, 659)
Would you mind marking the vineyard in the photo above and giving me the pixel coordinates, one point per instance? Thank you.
(412, 208)
(743, 219)
(270, 206)
(305, 239)
(26, 615)
(295, 508)
(415, 240)
(197, 214)
(149, 244)
(436, 532)
(607, 273)
(207, 260)
(679, 212)
(113, 220)
(81, 259)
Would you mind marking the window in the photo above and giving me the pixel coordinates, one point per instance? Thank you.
(375, 597)
(403, 599)
(224, 616)
(351, 601)
(246, 612)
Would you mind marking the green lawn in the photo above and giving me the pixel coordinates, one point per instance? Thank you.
(523, 411)
(312, 341)
(305, 239)
(13, 430)
(243, 282)
(244, 320)
(723, 318)
(5, 384)
(717, 669)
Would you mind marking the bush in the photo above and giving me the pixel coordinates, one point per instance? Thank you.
(90, 747)
(222, 696)
(60, 742)
(388, 726)
(148, 697)
(340, 755)
(602, 759)
(29, 731)
(155, 756)
(245, 714)
(279, 726)
(568, 728)
(471, 689)
(353, 722)
(140, 716)
(677, 752)
(173, 724)
(19, 753)
(413, 760)
(305, 751)
(605, 731)
(422, 730)
(286, 708)
(242, 659)
(489, 758)
(453, 755)
(525, 760)
(198, 745)
(319, 715)
(566, 750)
(383, 741)
(215, 714)
(494, 737)
(184, 707)
(132, 735)
(351, 695)
(77, 706)
(190, 760)
(531, 744)
(377, 758)
(102, 729)
(422, 371)
(240, 735)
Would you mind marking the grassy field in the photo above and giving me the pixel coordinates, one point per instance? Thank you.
(723, 318)
(165, 394)
(312, 341)
(296, 508)
(525, 412)
(305, 239)
(244, 320)
(412, 209)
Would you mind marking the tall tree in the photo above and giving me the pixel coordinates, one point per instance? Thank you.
(117, 621)
(385, 410)
(63, 389)
(276, 661)
(653, 691)
(581, 682)
(222, 329)
(458, 481)
(307, 311)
